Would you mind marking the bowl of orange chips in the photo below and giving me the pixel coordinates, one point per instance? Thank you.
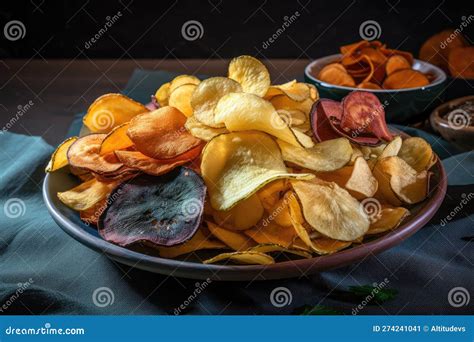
(407, 87)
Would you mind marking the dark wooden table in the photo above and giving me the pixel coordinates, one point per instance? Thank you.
(58, 89)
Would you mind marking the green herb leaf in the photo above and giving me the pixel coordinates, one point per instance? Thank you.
(319, 310)
(379, 295)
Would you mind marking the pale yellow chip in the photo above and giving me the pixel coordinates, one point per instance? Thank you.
(294, 90)
(328, 155)
(59, 157)
(392, 148)
(251, 74)
(313, 92)
(283, 102)
(387, 219)
(180, 80)
(206, 96)
(331, 210)
(243, 215)
(399, 182)
(202, 131)
(162, 94)
(243, 112)
(247, 258)
(86, 194)
(292, 117)
(111, 110)
(271, 248)
(417, 153)
(235, 240)
(324, 245)
(280, 213)
(236, 165)
(198, 242)
(180, 98)
(117, 139)
(272, 192)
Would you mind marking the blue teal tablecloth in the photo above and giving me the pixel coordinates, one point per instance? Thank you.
(44, 271)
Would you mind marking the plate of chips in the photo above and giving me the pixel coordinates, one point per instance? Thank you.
(407, 86)
(233, 178)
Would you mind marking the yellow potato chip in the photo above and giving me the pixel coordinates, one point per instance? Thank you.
(324, 245)
(248, 257)
(243, 112)
(111, 110)
(328, 155)
(180, 98)
(417, 153)
(294, 90)
(280, 213)
(331, 210)
(283, 102)
(392, 148)
(251, 74)
(236, 165)
(243, 215)
(197, 242)
(270, 248)
(202, 131)
(206, 96)
(388, 219)
(270, 232)
(235, 240)
(162, 94)
(180, 80)
(59, 156)
(293, 117)
(86, 194)
(272, 192)
(117, 139)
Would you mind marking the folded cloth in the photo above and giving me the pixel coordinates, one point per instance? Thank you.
(44, 271)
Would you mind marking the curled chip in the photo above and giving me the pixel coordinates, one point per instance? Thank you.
(198, 242)
(180, 98)
(331, 210)
(206, 96)
(235, 240)
(202, 131)
(154, 167)
(180, 80)
(388, 219)
(59, 156)
(111, 110)
(270, 232)
(243, 215)
(161, 134)
(392, 148)
(399, 182)
(247, 257)
(163, 211)
(242, 112)
(283, 102)
(294, 90)
(235, 165)
(117, 139)
(396, 63)
(84, 154)
(251, 74)
(162, 94)
(326, 156)
(336, 74)
(417, 153)
(87, 194)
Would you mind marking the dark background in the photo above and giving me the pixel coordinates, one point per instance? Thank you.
(152, 29)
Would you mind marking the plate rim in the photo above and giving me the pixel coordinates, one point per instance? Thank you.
(280, 270)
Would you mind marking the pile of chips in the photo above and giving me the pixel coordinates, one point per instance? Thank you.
(252, 171)
(371, 65)
(451, 52)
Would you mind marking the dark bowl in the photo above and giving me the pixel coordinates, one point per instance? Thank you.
(401, 105)
(190, 267)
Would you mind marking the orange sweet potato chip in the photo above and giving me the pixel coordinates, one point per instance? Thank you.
(368, 85)
(139, 161)
(334, 74)
(396, 63)
(161, 134)
(461, 62)
(407, 78)
(437, 48)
